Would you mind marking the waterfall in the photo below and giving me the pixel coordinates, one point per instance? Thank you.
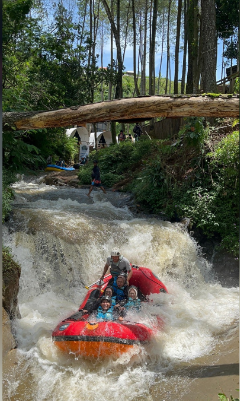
(62, 239)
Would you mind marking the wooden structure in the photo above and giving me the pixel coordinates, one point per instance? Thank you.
(166, 128)
(226, 85)
(127, 109)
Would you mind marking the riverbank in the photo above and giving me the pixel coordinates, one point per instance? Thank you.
(215, 373)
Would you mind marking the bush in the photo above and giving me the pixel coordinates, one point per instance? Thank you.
(193, 130)
(237, 86)
(207, 193)
(179, 181)
(109, 179)
(115, 162)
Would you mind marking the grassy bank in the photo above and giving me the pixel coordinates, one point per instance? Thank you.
(187, 178)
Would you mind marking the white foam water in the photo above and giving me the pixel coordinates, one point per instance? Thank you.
(62, 240)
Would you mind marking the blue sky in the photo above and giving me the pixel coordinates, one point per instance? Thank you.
(128, 61)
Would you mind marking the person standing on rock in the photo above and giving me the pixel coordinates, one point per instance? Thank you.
(96, 179)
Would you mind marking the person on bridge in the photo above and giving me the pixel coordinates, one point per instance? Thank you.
(117, 264)
(137, 131)
(96, 179)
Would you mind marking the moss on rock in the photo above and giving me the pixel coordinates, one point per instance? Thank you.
(11, 273)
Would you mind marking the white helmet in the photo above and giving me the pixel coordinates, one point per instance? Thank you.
(115, 252)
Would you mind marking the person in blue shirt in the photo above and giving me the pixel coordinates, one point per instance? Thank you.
(109, 292)
(133, 302)
(106, 311)
(120, 288)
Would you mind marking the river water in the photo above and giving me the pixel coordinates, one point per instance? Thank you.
(61, 238)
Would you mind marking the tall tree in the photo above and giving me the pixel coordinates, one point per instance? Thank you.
(193, 38)
(134, 50)
(177, 46)
(168, 45)
(209, 45)
(184, 48)
(152, 50)
(116, 32)
(144, 56)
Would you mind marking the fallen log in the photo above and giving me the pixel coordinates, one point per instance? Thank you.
(127, 109)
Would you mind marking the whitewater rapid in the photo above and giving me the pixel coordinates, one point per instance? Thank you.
(61, 239)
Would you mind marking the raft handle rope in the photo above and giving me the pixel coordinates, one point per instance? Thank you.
(149, 277)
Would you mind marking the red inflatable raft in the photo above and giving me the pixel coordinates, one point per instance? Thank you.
(77, 334)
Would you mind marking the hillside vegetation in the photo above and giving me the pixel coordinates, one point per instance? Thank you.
(186, 178)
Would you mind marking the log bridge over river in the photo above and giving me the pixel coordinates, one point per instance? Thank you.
(127, 110)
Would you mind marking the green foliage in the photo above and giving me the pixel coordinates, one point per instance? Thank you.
(116, 162)
(203, 187)
(223, 397)
(109, 179)
(227, 154)
(227, 17)
(237, 86)
(9, 269)
(47, 69)
(7, 193)
(18, 155)
(193, 130)
(8, 263)
(85, 174)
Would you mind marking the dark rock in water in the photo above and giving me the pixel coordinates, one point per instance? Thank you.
(63, 177)
(9, 342)
(11, 275)
(76, 166)
(225, 265)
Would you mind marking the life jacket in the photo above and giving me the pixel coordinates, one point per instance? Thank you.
(133, 304)
(120, 292)
(105, 315)
(114, 269)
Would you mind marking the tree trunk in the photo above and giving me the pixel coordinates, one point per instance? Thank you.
(168, 45)
(83, 24)
(110, 83)
(192, 14)
(134, 49)
(143, 76)
(184, 48)
(90, 37)
(177, 46)
(102, 61)
(114, 132)
(125, 109)
(116, 33)
(208, 46)
(160, 66)
(126, 32)
(152, 50)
